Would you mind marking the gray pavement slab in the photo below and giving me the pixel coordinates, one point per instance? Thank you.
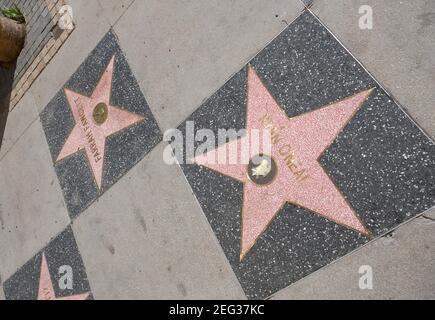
(146, 238)
(181, 52)
(32, 208)
(402, 265)
(398, 51)
(18, 121)
(114, 9)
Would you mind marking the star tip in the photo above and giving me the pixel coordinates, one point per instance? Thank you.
(242, 256)
(98, 183)
(365, 231)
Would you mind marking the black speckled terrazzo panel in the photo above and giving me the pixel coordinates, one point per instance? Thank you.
(123, 149)
(61, 254)
(381, 162)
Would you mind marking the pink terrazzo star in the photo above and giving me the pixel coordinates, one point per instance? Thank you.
(46, 291)
(297, 144)
(90, 135)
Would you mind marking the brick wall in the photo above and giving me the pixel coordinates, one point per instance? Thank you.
(43, 40)
(39, 28)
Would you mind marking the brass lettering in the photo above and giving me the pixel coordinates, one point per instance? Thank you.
(88, 133)
(286, 151)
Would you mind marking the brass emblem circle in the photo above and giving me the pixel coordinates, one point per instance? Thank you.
(262, 169)
(100, 114)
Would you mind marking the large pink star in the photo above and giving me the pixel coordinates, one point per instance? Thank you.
(297, 144)
(46, 291)
(88, 134)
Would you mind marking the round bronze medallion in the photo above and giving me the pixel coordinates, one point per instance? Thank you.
(100, 113)
(262, 169)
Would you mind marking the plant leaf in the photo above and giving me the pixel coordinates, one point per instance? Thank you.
(13, 13)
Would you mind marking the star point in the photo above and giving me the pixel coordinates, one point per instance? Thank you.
(46, 290)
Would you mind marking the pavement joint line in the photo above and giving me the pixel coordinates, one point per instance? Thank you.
(19, 138)
(123, 13)
(107, 193)
(239, 67)
(387, 90)
(208, 225)
(71, 225)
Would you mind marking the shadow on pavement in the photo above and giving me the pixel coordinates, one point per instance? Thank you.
(6, 83)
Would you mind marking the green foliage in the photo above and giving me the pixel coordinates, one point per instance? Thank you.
(14, 14)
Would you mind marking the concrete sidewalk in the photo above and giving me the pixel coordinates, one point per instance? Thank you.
(150, 232)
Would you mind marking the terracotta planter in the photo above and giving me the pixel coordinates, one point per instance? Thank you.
(12, 37)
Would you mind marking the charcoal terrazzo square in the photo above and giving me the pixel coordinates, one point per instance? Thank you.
(98, 126)
(351, 164)
(56, 272)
